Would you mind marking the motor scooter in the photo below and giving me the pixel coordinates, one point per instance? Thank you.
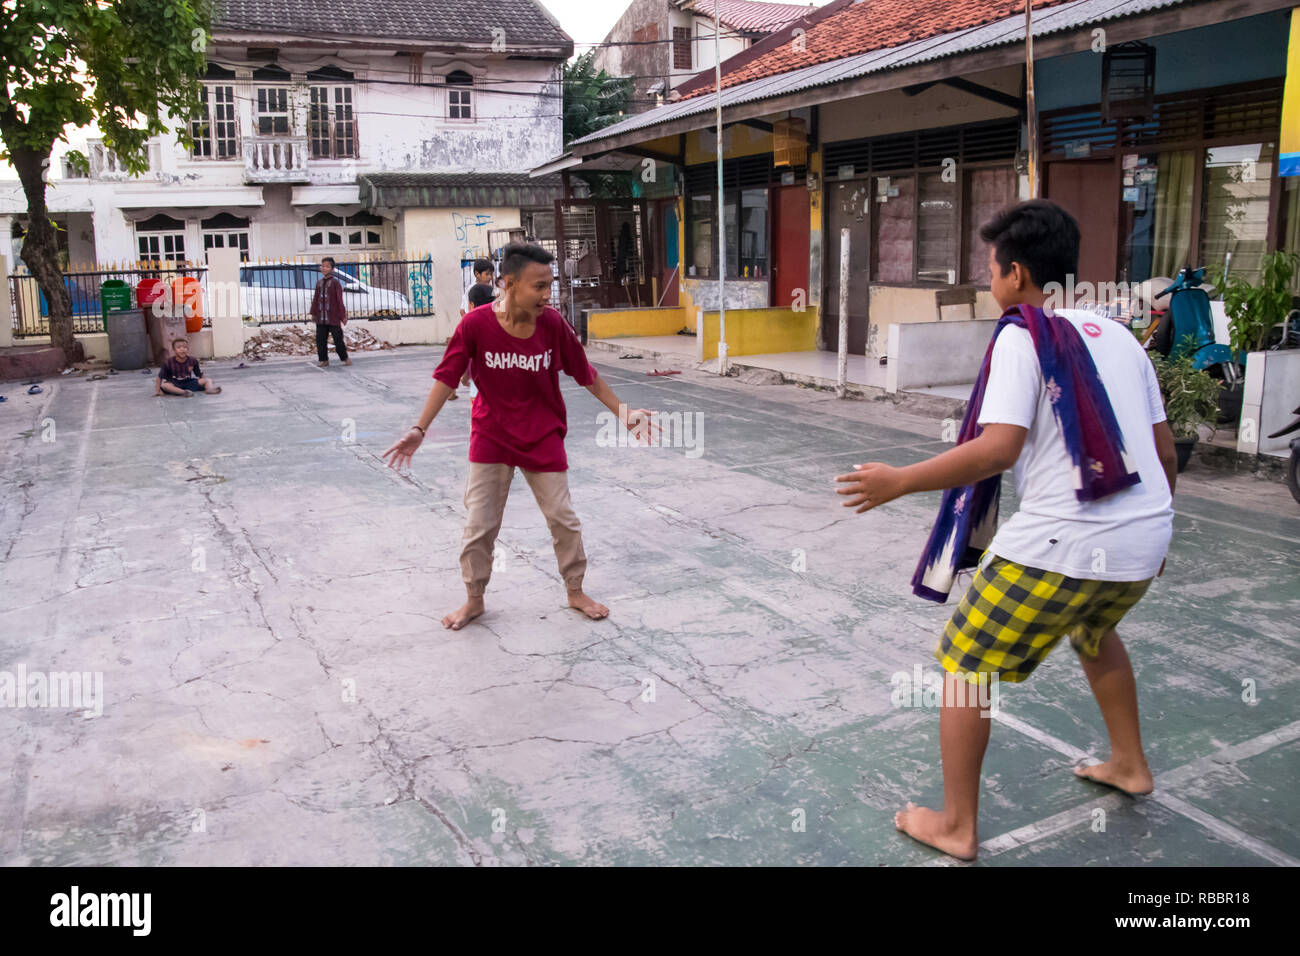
(1293, 467)
(1189, 317)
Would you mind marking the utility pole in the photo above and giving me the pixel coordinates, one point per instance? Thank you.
(722, 217)
(1030, 109)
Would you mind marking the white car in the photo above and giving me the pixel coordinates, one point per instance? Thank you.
(284, 293)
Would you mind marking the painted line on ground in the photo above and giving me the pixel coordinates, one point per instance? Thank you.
(1236, 526)
(73, 499)
(1078, 816)
(1052, 826)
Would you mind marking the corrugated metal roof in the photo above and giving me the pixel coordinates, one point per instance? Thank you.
(440, 190)
(1058, 19)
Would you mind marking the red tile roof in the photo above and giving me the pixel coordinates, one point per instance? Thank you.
(751, 15)
(873, 25)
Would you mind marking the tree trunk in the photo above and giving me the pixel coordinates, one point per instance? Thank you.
(41, 250)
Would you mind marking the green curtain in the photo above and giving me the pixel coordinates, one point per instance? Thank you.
(1173, 226)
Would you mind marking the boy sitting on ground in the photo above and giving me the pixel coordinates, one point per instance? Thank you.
(180, 374)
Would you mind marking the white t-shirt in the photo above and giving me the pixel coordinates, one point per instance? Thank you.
(1122, 537)
(464, 297)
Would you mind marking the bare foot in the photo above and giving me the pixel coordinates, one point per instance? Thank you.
(458, 618)
(929, 827)
(322, 364)
(347, 361)
(452, 397)
(579, 600)
(1135, 783)
(215, 390)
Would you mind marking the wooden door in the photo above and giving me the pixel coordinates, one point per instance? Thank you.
(666, 232)
(1089, 191)
(847, 204)
(791, 208)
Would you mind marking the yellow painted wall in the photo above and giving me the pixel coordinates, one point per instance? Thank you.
(738, 140)
(758, 331)
(621, 323)
(684, 300)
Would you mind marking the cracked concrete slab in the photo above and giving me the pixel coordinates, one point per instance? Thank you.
(263, 598)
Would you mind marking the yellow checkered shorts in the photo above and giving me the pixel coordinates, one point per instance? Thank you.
(1012, 616)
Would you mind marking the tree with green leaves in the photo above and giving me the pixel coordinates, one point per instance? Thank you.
(119, 64)
(593, 100)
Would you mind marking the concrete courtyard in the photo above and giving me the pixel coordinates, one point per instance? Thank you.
(262, 597)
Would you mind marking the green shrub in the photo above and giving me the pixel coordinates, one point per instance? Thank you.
(1253, 310)
(1191, 396)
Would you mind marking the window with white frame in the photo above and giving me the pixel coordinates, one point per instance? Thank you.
(215, 131)
(331, 123)
(226, 231)
(459, 93)
(360, 230)
(271, 116)
(161, 239)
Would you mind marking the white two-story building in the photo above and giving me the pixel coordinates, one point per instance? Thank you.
(358, 127)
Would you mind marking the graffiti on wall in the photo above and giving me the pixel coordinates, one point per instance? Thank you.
(471, 233)
(419, 277)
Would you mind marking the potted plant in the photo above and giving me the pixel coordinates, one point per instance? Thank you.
(1190, 396)
(1254, 310)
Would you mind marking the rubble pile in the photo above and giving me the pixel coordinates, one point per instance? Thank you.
(299, 341)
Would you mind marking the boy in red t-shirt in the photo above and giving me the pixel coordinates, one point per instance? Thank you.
(518, 346)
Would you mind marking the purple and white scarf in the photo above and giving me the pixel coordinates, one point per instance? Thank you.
(1100, 464)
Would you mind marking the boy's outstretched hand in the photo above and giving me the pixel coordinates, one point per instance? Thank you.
(870, 485)
(403, 449)
(641, 425)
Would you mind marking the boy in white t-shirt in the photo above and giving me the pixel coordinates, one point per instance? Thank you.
(1059, 566)
(483, 270)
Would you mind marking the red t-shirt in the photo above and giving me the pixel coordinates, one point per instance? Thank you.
(518, 416)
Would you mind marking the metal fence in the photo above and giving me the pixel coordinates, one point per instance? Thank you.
(373, 288)
(270, 292)
(31, 310)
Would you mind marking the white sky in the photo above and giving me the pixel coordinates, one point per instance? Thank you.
(587, 21)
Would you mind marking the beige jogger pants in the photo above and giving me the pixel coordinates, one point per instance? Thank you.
(486, 490)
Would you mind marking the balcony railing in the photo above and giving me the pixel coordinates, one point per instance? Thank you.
(105, 164)
(275, 159)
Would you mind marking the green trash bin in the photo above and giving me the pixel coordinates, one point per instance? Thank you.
(114, 296)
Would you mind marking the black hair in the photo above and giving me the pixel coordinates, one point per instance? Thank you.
(1038, 234)
(482, 265)
(330, 260)
(480, 294)
(516, 256)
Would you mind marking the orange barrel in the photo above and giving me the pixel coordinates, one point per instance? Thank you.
(187, 292)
